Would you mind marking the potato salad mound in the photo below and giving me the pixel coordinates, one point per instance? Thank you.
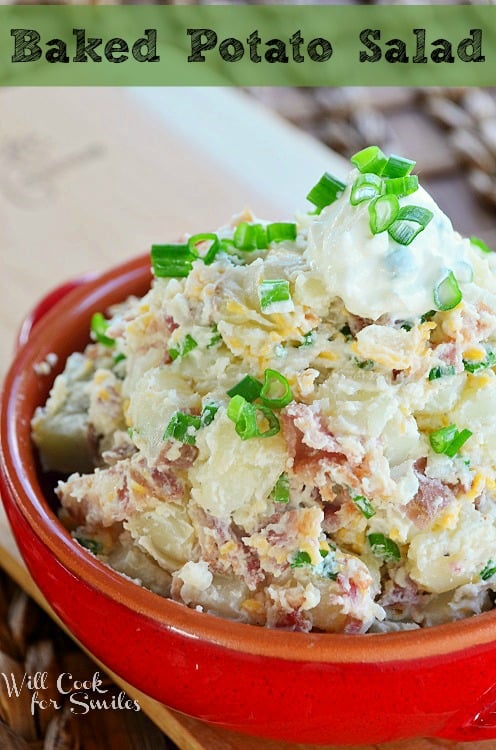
(294, 427)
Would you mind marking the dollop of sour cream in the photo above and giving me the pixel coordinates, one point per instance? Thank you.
(373, 274)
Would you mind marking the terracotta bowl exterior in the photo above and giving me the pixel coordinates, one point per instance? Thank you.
(313, 688)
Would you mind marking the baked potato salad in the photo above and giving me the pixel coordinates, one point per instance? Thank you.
(294, 427)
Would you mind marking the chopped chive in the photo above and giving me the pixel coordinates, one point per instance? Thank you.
(488, 571)
(208, 413)
(216, 337)
(447, 293)
(364, 505)
(246, 419)
(99, 327)
(172, 260)
(481, 245)
(382, 212)
(488, 361)
(448, 440)
(365, 364)
(184, 347)
(397, 166)
(281, 231)
(120, 357)
(250, 237)
(307, 339)
(274, 296)
(365, 187)
(213, 249)
(370, 159)
(406, 325)
(402, 186)
(248, 387)
(427, 316)
(384, 547)
(92, 545)
(327, 190)
(411, 220)
(440, 372)
(301, 559)
(183, 428)
(276, 392)
(280, 493)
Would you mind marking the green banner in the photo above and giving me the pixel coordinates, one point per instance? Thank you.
(248, 45)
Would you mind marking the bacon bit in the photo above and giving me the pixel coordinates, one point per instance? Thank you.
(185, 459)
(432, 497)
(161, 484)
(307, 439)
(356, 323)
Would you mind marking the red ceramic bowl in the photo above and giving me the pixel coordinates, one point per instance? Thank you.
(321, 688)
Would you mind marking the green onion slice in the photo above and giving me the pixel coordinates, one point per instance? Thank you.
(172, 260)
(448, 440)
(447, 293)
(246, 418)
(184, 347)
(488, 361)
(119, 357)
(92, 545)
(281, 231)
(480, 244)
(183, 427)
(274, 296)
(382, 212)
(301, 559)
(216, 337)
(280, 493)
(364, 505)
(248, 387)
(326, 191)
(457, 443)
(384, 547)
(402, 186)
(365, 187)
(213, 249)
(411, 220)
(276, 392)
(208, 413)
(250, 237)
(488, 571)
(370, 159)
(99, 327)
(440, 372)
(397, 166)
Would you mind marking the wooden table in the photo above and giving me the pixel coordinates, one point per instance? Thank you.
(90, 177)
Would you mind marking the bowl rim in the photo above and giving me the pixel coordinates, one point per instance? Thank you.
(438, 640)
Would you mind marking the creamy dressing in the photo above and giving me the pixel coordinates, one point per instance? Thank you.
(373, 274)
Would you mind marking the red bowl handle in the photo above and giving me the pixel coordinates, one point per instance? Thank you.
(45, 304)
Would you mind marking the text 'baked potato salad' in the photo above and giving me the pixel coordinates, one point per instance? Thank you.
(295, 426)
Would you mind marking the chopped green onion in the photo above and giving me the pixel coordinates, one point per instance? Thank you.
(365, 364)
(447, 293)
(216, 337)
(382, 212)
(346, 331)
(245, 418)
(327, 567)
(402, 186)
(184, 347)
(281, 231)
(307, 339)
(208, 413)
(326, 191)
(301, 559)
(489, 361)
(406, 325)
(280, 493)
(488, 571)
(411, 220)
(370, 159)
(364, 505)
(427, 316)
(120, 357)
(212, 251)
(397, 166)
(91, 544)
(248, 387)
(384, 547)
(172, 260)
(275, 392)
(440, 372)
(274, 296)
(250, 237)
(183, 427)
(99, 327)
(481, 245)
(448, 440)
(365, 187)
